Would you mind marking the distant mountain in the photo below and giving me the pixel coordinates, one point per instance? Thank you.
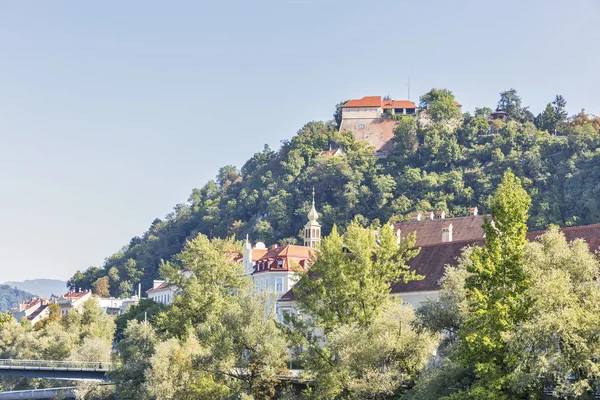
(41, 287)
(10, 297)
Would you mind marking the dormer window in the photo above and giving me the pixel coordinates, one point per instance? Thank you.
(280, 263)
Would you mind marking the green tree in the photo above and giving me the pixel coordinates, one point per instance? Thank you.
(350, 278)
(440, 105)
(207, 287)
(377, 361)
(496, 291)
(337, 116)
(134, 355)
(561, 323)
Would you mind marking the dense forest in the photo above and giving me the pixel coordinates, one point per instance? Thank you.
(10, 297)
(443, 159)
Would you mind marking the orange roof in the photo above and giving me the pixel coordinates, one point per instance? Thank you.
(367, 101)
(398, 104)
(289, 253)
(75, 295)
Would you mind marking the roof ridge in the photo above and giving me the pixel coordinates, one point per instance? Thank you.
(566, 228)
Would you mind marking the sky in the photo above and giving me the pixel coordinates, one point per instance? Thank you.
(112, 112)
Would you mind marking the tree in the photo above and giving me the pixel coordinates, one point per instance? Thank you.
(561, 323)
(135, 352)
(337, 116)
(101, 287)
(351, 276)
(440, 105)
(356, 342)
(496, 291)
(207, 287)
(377, 361)
(510, 102)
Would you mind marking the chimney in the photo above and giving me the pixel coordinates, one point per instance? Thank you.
(447, 233)
(441, 214)
(398, 237)
(429, 215)
(274, 246)
(415, 216)
(473, 211)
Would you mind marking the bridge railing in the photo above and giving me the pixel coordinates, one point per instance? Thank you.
(55, 365)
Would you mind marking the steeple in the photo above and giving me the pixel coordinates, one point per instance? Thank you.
(312, 229)
(247, 259)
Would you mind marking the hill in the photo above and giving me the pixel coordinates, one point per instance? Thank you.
(441, 159)
(10, 297)
(41, 287)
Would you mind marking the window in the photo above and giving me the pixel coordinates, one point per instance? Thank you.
(266, 283)
(279, 263)
(279, 285)
(361, 126)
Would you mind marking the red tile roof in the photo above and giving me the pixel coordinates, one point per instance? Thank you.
(429, 231)
(367, 101)
(75, 295)
(432, 259)
(397, 104)
(291, 255)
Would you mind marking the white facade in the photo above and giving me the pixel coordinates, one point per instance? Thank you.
(161, 293)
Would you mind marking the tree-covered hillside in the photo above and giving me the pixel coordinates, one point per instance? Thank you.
(10, 297)
(442, 160)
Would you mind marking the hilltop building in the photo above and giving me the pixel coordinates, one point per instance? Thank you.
(369, 119)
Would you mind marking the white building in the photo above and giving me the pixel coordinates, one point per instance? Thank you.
(161, 292)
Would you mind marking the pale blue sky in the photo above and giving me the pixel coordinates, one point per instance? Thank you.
(110, 113)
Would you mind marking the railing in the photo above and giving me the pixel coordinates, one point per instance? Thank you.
(55, 365)
(49, 393)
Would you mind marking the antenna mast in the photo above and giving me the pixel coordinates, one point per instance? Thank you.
(408, 86)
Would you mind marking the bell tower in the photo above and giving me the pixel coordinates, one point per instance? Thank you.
(312, 229)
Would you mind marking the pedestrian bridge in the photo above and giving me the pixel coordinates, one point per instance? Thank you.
(48, 369)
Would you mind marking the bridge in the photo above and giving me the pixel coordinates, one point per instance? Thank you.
(47, 369)
(35, 394)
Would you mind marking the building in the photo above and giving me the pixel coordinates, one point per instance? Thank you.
(275, 270)
(33, 311)
(112, 305)
(434, 227)
(375, 107)
(73, 301)
(436, 254)
(369, 119)
(161, 292)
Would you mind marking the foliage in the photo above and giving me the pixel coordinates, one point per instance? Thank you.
(337, 116)
(351, 276)
(145, 309)
(562, 321)
(357, 342)
(451, 164)
(496, 290)
(11, 297)
(440, 105)
(134, 358)
(207, 285)
(101, 287)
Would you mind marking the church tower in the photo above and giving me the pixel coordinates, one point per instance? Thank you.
(312, 229)
(247, 260)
